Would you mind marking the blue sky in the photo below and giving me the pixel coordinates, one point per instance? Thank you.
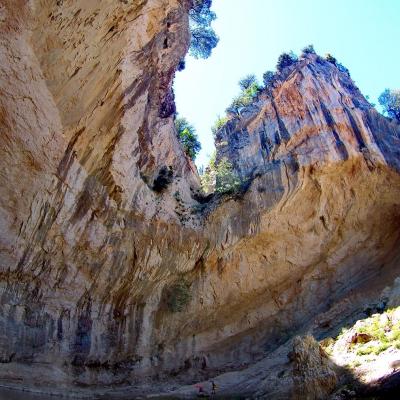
(364, 35)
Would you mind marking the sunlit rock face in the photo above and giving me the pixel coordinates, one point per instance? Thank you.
(312, 114)
(111, 269)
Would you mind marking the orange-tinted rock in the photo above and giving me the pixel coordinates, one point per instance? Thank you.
(360, 338)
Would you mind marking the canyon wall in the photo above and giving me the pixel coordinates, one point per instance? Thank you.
(103, 224)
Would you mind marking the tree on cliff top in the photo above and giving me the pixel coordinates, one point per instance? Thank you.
(187, 137)
(285, 60)
(249, 90)
(218, 124)
(268, 79)
(390, 102)
(247, 82)
(203, 37)
(308, 49)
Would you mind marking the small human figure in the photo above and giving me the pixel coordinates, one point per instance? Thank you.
(213, 387)
(201, 391)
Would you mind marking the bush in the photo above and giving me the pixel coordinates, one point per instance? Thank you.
(247, 82)
(390, 102)
(309, 49)
(218, 124)
(220, 177)
(200, 12)
(268, 79)
(253, 89)
(203, 37)
(249, 91)
(329, 57)
(190, 143)
(181, 65)
(342, 68)
(286, 60)
(226, 181)
(381, 332)
(238, 103)
(187, 137)
(207, 178)
(178, 296)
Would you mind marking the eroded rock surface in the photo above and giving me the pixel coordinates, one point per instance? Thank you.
(314, 376)
(100, 219)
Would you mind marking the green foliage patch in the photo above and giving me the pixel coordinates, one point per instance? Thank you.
(390, 102)
(218, 124)
(203, 36)
(187, 137)
(220, 177)
(178, 296)
(286, 60)
(382, 331)
(250, 88)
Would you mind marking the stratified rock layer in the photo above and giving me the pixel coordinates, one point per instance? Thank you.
(111, 269)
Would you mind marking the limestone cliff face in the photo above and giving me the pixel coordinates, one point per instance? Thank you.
(100, 218)
(91, 163)
(312, 114)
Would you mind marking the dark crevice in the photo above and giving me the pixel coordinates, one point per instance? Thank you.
(341, 148)
(164, 179)
(283, 132)
(355, 128)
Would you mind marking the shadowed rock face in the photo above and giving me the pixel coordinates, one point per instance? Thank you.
(99, 220)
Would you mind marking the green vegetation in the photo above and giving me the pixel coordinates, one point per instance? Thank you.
(220, 177)
(237, 105)
(248, 82)
(268, 79)
(178, 296)
(368, 338)
(329, 57)
(207, 176)
(390, 102)
(181, 65)
(308, 49)
(249, 90)
(218, 124)
(226, 181)
(286, 60)
(384, 333)
(203, 37)
(187, 137)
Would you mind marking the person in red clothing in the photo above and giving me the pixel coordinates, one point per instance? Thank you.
(201, 392)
